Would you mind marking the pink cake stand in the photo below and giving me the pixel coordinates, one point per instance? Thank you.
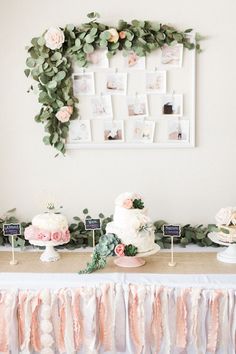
(137, 261)
(49, 254)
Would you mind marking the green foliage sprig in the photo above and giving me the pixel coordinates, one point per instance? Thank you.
(130, 250)
(138, 204)
(52, 68)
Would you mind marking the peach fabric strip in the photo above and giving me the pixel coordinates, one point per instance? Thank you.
(105, 318)
(35, 330)
(181, 319)
(77, 319)
(156, 325)
(62, 321)
(4, 338)
(214, 322)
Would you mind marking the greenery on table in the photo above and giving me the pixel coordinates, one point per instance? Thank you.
(51, 66)
(81, 238)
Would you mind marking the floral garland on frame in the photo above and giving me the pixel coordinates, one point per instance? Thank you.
(51, 55)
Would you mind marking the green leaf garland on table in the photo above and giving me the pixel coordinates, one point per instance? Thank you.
(51, 56)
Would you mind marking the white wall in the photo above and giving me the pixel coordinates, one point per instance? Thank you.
(200, 181)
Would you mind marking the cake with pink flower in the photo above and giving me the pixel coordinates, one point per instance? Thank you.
(48, 227)
(131, 223)
(226, 223)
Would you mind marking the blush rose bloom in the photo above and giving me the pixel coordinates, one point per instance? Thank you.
(122, 35)
(114, 35)
(128, 203)
(64, 113)
(43, 235)
(56, 236)
(120, 249)
(224, 216)
(66, 236)
(54, 38)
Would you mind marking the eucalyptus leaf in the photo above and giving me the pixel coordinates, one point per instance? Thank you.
(52, 85)
(88, 48)
(56, 56)
(46, 140)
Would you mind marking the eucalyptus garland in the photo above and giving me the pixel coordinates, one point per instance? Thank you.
(51, 56)
(82, 238)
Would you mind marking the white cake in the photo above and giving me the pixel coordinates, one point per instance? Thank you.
(50, 222)
(226, 222)
(132, 225)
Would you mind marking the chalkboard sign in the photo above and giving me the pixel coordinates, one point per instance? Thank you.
(11, 229)
(92, 224)
(171, 230)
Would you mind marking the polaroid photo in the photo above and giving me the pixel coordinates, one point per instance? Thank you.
(79, 132)
(116, 83)
(133, 62)
(137, 106)
(156, 82)
(101, 107)
(113, 131)
(142, 131)
(172, 105)
(83, 83)
(98, 59)
(172, 56)
(178, 130)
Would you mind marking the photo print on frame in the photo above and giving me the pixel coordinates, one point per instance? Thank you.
(172, 105)
(172, 56)
(133, 62)
(79, 131)
(142, 131)
(137, 106)
(101, 107)
(156, 82)
(116, 83)
(83, 83)
(98, 59)
(178, 130)
(113, 131)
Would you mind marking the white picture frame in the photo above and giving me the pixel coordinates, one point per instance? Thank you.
(156, 82)
(101, 107)
(83, 83)
(116, 83)
(79, 131)
(137, 106)
(172, 105)
(172, 56)
(113, 131)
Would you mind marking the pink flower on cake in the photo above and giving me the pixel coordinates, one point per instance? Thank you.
(43, 235)
(128, 203)
(114, 35)
(65, 236)
(56, 236)
(54, 38)
(29, 233)
(64, 113)
(120, 250)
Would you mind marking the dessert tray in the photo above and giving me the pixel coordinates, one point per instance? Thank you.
(228, 255)
(136, 261)
(49, 254)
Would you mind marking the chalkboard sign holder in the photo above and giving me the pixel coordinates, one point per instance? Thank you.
(93, 224)
(171, 231)
(12, 230)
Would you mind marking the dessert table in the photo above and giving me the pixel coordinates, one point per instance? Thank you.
(48, 308)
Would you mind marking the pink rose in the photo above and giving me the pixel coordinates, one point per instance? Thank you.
(56, 236)
(43, 235)
(114, 35)
(122, 34)
(120, 249)
(54, 38)
(128, 203)
(64, 113)
(65, 236)
(30, 233)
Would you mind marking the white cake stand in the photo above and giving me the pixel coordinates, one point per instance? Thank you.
(49, 254)
(136, 261)
(228, 255)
